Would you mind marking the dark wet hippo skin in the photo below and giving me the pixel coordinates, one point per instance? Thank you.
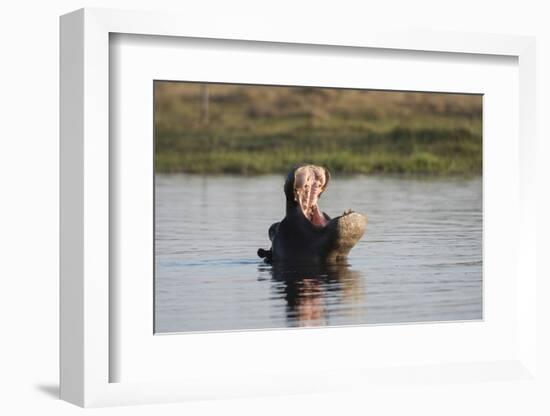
(306, 234)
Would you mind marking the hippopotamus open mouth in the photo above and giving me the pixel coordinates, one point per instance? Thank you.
(306, 233)
(309, 183)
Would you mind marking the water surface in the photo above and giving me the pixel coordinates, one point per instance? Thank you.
(420, 259)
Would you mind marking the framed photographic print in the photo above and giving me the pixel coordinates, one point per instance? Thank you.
(409, 162)
(244, 214)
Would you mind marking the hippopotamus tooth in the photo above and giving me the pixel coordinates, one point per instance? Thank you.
(307, 234)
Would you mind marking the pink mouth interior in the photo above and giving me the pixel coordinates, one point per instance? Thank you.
(309, 183)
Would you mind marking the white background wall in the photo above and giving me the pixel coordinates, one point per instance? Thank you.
(29, 200)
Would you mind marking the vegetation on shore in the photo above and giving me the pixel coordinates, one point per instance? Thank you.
(241, 129)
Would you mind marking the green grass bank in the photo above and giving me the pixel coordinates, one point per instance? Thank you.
(252, 130)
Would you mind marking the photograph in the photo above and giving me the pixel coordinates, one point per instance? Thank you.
(310, 206)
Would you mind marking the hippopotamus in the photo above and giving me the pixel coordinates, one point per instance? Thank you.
(306, 234)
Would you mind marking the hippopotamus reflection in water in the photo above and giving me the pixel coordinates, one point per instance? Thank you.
(306, 234)
(309, 289)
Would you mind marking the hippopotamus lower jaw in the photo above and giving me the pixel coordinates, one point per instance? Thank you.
(343, 233)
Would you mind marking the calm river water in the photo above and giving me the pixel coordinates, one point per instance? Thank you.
(420, 259)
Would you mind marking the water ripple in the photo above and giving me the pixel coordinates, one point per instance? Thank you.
(420, 259)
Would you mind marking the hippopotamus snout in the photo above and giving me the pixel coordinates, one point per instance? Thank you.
(307, 234)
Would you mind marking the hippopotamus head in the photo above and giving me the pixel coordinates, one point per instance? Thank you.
(307, 234)
(303, 188)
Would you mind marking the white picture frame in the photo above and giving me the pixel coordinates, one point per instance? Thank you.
(87, 302)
